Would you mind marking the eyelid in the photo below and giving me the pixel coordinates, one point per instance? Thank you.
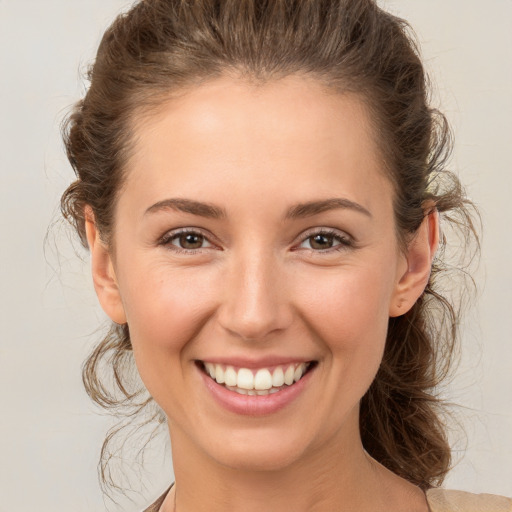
(165, 239)
(346, 240)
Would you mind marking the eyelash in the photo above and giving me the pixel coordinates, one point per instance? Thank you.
(345, 241)
(173, 235)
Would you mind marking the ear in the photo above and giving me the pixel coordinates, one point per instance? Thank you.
(419, 256)
(103, 275)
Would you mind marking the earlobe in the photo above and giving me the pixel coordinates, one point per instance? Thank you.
(419, 257)
(103, 274)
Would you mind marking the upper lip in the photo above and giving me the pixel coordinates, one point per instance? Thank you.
(262, 362)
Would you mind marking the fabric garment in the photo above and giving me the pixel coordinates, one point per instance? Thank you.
(439, 500)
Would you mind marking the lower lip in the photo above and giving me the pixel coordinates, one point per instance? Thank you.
(255, 405)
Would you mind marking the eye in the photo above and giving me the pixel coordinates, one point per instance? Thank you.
(325, 240)
(188, 240)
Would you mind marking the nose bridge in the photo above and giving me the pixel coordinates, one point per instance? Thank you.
(254, 296)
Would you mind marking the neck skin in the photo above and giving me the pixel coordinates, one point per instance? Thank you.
(340, 476)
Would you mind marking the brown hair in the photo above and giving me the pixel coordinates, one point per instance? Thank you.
(161, 47)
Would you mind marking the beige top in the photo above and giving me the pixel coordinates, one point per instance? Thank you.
(439, 500)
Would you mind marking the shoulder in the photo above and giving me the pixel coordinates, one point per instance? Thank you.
(441, 500)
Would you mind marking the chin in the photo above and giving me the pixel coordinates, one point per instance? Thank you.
(258, 460)
(259, 453)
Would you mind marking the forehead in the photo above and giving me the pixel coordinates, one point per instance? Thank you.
(294, 134)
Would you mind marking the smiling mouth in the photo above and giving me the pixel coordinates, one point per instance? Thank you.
(256, 382)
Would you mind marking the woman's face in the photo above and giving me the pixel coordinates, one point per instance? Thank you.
(255, 234)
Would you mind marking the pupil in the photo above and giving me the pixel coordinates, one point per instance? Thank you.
(191, 241)
(321, 242)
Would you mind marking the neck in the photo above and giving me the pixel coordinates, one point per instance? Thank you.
(340, 477)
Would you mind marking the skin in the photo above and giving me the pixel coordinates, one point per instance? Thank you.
(258, 286)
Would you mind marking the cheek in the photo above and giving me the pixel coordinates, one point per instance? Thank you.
(165, 310)
(349, 311)
(163, 306)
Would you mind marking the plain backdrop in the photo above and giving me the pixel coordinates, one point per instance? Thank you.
(50, 434)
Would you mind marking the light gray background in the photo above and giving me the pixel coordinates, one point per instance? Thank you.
(49, 433)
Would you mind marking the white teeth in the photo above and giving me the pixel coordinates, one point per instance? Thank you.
(245, 379)
(299, 371)
(278, 377)
(210, 368)
(288, 375)
(260, 382)
(229, 376)
(219, 374)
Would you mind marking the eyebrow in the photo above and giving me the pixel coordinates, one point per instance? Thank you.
(315, 207)
(297, 211)
(188, 206)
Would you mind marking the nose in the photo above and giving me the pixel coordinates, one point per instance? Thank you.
(255, 303)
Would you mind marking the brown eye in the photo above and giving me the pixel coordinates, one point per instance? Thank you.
(189, 241)
(321, 241)
(326, 240)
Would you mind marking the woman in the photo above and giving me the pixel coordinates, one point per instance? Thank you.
(260, 185)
